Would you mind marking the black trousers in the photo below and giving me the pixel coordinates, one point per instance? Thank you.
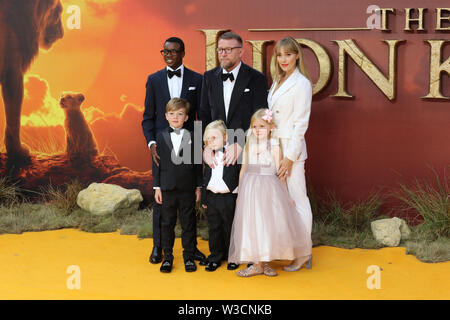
(157, 225)
(157, 220)
(181, 203)
(220, 215)
(156, 217)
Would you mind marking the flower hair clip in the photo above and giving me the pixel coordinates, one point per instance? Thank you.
(268, 116)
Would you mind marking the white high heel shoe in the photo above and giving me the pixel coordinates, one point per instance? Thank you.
(308, 265)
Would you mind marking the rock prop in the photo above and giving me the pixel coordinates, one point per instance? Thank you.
(390, 232)
(143, 181)
(103, 199)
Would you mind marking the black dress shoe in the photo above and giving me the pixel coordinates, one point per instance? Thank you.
(232, 266)
(190, 266)
(166, 266)
(199, 256)
(156, 256)
(212, 266)
(204, 262)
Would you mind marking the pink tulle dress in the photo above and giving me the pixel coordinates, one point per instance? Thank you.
(266, 224)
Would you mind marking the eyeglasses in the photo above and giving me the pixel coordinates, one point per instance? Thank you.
(226, 50)
(172, 52)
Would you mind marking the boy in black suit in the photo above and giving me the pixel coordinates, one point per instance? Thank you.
(177, 182)
(219, 197)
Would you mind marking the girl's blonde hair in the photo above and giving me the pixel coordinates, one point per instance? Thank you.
(218, 125)
(258, 115)
(289, 44)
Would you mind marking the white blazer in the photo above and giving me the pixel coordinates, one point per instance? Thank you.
(291, 106)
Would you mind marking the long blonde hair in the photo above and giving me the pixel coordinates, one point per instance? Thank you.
(258, 115)
(289, 44)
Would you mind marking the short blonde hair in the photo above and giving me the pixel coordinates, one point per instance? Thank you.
(218, 125)
(177, 104)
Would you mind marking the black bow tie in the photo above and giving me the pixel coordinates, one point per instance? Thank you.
(176, 131)
(171, 73)
(226, 76)
(221, 149)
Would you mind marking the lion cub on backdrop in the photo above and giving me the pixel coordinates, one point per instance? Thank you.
(81, 144)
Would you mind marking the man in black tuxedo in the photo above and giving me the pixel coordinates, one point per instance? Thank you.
(177, 181)
(171, 82)
(231, 92)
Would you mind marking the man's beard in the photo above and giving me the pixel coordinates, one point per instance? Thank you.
(226, 64)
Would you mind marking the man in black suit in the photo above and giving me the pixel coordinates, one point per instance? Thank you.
(177, 181)
(173, 81)
(231, 92)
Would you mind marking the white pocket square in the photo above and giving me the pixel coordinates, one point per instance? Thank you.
(247, 90)
(191, 88)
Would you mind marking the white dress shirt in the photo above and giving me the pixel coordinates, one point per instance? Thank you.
(175, 85)
(216, 183)
(176, 140)
(228, 87)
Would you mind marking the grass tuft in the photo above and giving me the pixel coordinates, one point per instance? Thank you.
(430, 251)
(26, 217)
(431, 202)
(64, 197)
(344, 225)
(9, 192)
(353, 218)
(140, 224)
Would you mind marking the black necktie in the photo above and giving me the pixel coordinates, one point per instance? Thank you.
(226, 76)
(171, 73)
(176, 131)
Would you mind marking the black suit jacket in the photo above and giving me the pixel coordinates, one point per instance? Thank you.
(177, 171)
(230, 176)
(156, 98)
(249, 94)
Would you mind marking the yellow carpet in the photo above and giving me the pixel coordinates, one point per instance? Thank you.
(114, 266)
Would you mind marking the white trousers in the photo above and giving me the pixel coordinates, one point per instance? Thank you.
(296, 184)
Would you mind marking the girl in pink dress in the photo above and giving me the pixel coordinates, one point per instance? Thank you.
(266, 224)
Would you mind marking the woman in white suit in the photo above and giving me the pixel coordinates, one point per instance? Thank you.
(290, 100)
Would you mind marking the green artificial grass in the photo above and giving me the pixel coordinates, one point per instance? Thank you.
(26, 217)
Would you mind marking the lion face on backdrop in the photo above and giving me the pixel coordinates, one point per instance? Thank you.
(71, 100)
(25, 25)
(52, 29)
